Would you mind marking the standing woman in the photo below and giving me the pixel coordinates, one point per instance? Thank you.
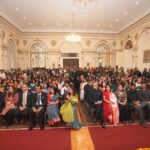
(11, 101)
(69, 110)
(110, 106)
(123, 106)
(52, 107)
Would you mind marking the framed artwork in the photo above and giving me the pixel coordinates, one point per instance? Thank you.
(146, 56)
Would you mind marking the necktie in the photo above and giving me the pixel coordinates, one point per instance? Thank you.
(24, 99)
(38, 100)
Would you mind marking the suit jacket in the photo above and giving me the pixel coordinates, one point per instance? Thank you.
(96, 95)
(43, 100)
(29, 99)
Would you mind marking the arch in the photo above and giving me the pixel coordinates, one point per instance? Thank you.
(11, 37)
(141, 33)
(105, 43)
(103, 49)
(11, 54)
(37, 54)
(128, 45)
(129, 38)
(36, 41)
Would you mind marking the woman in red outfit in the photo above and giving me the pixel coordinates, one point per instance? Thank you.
(107, 109)
(110, 106)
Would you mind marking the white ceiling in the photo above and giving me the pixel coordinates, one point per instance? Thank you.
(100, 16)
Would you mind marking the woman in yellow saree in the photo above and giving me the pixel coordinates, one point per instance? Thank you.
(69, 110)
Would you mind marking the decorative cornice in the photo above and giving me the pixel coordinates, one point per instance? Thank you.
(9, 25)
(143, 20)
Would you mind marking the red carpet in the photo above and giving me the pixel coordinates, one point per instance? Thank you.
(120, 138)
(51, 139)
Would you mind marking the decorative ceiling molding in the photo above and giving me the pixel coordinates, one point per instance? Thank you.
(5, 23)
(140, 22)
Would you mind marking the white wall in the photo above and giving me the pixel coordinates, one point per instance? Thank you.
(143, 44)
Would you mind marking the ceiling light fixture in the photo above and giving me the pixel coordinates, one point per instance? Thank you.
(111, 26)
(44, 24)
(136, 2)
(73, 37)
(125, 13)
(117, 20)
(17, 9)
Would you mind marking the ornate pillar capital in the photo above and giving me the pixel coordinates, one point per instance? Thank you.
(4, 47)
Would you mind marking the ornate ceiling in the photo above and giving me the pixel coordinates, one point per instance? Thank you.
(99, 16)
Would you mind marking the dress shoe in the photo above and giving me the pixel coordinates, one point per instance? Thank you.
(103, 126)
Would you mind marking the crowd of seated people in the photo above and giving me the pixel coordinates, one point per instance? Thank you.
(40, 92)
(115, 94)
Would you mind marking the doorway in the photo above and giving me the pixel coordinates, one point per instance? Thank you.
(70, 63)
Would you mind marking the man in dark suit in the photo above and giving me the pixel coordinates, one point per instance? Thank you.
(135, 103)
(24, 103)
(96, 101)
(39, 103)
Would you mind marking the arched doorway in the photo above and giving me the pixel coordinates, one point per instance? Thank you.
(11, 57)
(103, 55)
(37, 55)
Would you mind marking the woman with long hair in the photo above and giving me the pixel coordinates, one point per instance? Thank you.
(69, 110)
(11, 101)
(52, 107)
(123, 106)
(110, 106)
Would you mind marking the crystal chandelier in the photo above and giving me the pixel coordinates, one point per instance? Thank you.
(73, 37)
